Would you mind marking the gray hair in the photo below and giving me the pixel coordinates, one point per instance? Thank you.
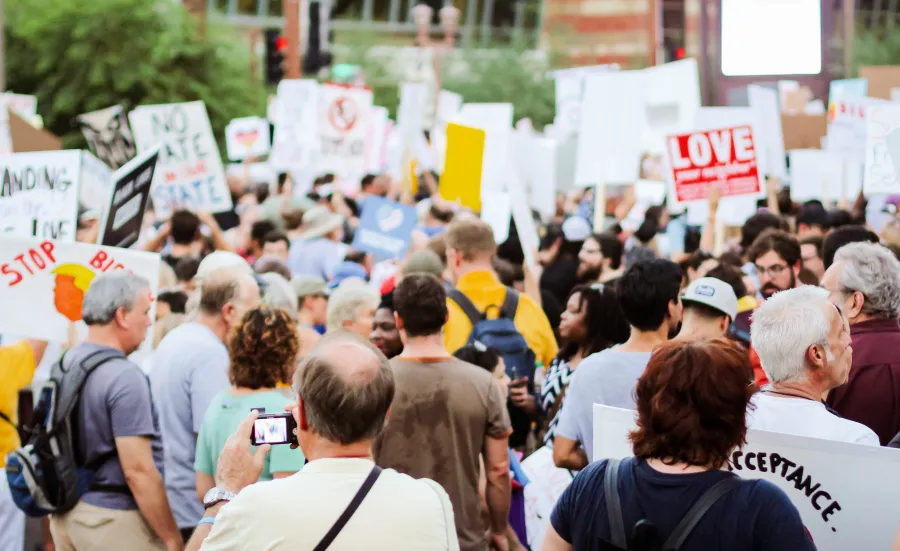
(784, 328)
(345, 302)
(874, 271)
(279, 293)
(109, 292)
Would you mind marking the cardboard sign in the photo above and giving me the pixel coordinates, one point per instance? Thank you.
(461, 180)
(343, 125)
(189, 174)
(108, 135)
(122, 221)
(42, 282)
(39, 194)
(843, 491)
(726, 157)
(25, 107)
(26, 138)
(880, 175)
(247, 137)
(803, 131)
(385, 228)
(881, 79)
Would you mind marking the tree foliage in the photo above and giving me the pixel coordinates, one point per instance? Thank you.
(81, 55)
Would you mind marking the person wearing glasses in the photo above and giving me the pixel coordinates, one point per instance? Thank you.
(803, 343)
(777, 258)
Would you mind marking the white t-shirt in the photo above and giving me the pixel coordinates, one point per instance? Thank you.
(294, 513)
(802, 417)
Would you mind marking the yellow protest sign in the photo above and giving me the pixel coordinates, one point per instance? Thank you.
(461, 180)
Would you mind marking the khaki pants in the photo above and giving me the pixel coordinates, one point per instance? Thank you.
(91, 528)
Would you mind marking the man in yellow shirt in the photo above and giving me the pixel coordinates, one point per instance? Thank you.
(17, 364)
(470, 253)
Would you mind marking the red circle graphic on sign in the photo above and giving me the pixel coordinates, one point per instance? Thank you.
(343, 114)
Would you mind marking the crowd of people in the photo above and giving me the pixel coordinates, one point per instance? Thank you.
(417, 385)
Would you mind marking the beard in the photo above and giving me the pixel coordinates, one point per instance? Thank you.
(587, 274)
(770, 288)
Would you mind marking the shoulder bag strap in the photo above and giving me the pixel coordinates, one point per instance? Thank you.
(351, 508)
(613, 505)
(698, 510)
(510, 304)
(468, 308)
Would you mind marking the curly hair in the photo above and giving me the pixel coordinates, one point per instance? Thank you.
(263, 348)
(692, 403)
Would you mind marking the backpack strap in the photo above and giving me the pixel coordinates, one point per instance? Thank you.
(698, 510)
(466, 305)
(613, 504)
(88, 365)
(351, 508)
(510, 304)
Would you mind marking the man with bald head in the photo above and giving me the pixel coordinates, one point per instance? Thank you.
(345, 387)
(190, 368)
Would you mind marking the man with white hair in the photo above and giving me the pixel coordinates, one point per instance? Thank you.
(803, 342)
(864, 282)
(117, 428)
(351, 307)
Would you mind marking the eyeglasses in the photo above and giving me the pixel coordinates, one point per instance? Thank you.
(772, 271)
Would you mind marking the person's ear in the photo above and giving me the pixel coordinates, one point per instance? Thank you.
(724, 323)
(299, 412)
(797, 267)
(228, 313)
(398, 321)
(815, 354)
(857, 305)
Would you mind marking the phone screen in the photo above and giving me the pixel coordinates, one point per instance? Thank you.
(271, 430)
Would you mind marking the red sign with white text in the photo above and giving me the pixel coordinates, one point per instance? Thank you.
(726, 157)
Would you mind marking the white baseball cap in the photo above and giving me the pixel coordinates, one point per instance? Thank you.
(714, 293)
(576, 228)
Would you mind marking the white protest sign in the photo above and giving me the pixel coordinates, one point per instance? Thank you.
(376, 140)
(880, 175)
(96, 181)
(671, 98)
(844, 492)
(411, 111)
(295, 143)
(39, 194)
(496, 120)
(525, 226)
(848, 127)
(189, 173)
(43, 282)
(247, 137)
(892, 140)
(449, 104)
(764, 102)
(345, 112)
(496, 211)
(823, 175)
(108, 135)
(569, 85)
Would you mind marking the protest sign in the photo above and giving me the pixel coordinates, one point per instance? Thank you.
(764, 102)
(189, 172)
(803, 131)
(385, 228)
(39, 194)
(881, 79)
(123, 218)
(847, 127)
(526, 228)
(96, 181)
(108, 135)
(413, 105)
(43, 282)
(848, 88)
(25, 107)
(345, 112)
(841, 512)
(449, 104)
(295, 143)
(461, 180)
(496, 211)
(725, 157)
(496, 120)
(376, 140)
(880, 175)
(823, 175)
(247, 137)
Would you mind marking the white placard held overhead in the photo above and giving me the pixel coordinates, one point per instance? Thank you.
(376, 140)
(823, 175)
(880, 175)
(496, 120)
(844, 492)
(496, 211)
(764, 102)
(247, 137)
(189, 174)
(345, 112)
(295, 143)
(96, 181)
(39, 194)
(108, 135)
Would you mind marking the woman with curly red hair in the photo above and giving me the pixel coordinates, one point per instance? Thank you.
(263, 349)
(691, 414)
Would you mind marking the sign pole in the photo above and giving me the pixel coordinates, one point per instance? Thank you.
(292, 34)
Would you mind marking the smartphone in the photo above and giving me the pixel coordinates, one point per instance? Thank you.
(274, 428)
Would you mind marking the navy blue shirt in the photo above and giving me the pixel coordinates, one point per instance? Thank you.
(756, 516)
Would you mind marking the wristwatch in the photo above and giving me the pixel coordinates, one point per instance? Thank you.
(215, 496)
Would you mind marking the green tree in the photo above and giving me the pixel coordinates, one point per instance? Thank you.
(81, 55)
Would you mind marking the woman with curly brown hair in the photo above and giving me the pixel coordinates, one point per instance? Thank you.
(263, 350)
(691, 414)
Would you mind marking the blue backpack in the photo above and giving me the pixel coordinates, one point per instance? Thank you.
(501, 333)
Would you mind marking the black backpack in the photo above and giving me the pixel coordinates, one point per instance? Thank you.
(47, 475)
(644, 535)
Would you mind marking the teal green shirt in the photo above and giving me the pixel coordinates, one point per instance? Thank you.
(222, 418)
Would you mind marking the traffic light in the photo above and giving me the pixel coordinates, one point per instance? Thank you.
(275, 48)
(317, 56)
